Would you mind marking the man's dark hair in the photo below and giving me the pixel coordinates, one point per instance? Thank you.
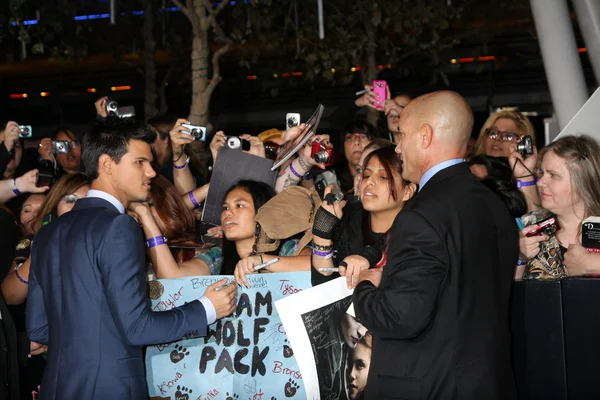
(112, 139)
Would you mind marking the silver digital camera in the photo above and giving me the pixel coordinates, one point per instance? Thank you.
(197, 132)
(235, 143)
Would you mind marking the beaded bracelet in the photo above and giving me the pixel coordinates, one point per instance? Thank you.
(19, 276)
(156, 241)
(187, 161)
(322, 248)
(193, 199)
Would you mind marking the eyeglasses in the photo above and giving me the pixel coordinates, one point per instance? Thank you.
(506, 136)
(351, 137)
(74, 144)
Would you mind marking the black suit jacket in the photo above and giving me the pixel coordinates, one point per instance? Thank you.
(440, 316)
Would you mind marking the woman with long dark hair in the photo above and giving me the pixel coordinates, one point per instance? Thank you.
(342, 233)
(236, 255)
(356, 136)
(166, 215)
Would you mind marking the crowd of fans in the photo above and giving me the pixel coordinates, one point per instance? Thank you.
(562, 179)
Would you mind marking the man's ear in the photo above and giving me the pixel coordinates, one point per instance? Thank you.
(426, 135)
(409, 191)
(105, 164)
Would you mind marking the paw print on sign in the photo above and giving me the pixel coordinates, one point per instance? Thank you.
(179, 354)
(287, 350)
(291, 388)
(232, 397)
(182, 393)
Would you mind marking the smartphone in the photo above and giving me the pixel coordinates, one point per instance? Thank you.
(291, 120)
(380, 88)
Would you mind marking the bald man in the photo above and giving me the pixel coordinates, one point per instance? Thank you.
(438, 311)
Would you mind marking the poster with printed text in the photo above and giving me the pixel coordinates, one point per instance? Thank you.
(244, 356)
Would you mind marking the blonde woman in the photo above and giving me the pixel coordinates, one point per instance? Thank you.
(501, 132)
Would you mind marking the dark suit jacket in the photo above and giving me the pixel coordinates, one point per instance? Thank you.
(88, 301)
(440, 316)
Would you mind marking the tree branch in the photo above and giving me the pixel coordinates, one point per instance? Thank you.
(216, 76)
(215, 13)
(186, 11)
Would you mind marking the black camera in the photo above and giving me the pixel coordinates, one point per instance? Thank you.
(235, 143)
(197, 132)
(46, 174)
(525, 146)
(113, 110)
(325, 179)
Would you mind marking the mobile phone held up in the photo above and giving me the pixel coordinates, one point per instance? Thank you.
(380, 89)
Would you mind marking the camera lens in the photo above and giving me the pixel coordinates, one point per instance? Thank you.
(322, 157)
(292, 122)
(234, 143)
(195, 133)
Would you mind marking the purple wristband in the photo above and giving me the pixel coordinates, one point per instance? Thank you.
(322, 253)
(16, 191)
(193, 199)
(187, 161)
(522, 184)
(156, 241)
(294, 171)
(19, 276)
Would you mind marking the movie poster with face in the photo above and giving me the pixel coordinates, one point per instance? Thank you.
(332, 347)
(244, 356)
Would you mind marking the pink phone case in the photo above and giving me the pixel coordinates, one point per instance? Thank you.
(380, 88)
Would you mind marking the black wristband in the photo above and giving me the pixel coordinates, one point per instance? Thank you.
(372, 254)
(325, 223)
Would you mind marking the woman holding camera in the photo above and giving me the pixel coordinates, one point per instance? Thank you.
(182, 176)
(500, 136)
(62, 154)
(568, 185)
(342, 234)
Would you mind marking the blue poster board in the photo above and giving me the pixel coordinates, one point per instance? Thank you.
(244, 356)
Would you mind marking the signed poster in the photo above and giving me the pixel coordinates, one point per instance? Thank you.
(332, 347)
(244, 356)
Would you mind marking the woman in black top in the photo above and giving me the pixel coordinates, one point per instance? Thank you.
(343, 233)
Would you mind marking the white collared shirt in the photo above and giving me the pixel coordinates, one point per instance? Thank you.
(99, 194)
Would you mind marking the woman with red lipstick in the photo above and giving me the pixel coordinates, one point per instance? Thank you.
(382, 193)
(569, 173)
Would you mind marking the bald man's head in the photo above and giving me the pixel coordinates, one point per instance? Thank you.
(434, 127)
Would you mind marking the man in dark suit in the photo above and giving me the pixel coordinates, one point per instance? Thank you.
(87, 286)
(438, 311)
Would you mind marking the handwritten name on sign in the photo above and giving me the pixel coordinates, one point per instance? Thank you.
(245, 355)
